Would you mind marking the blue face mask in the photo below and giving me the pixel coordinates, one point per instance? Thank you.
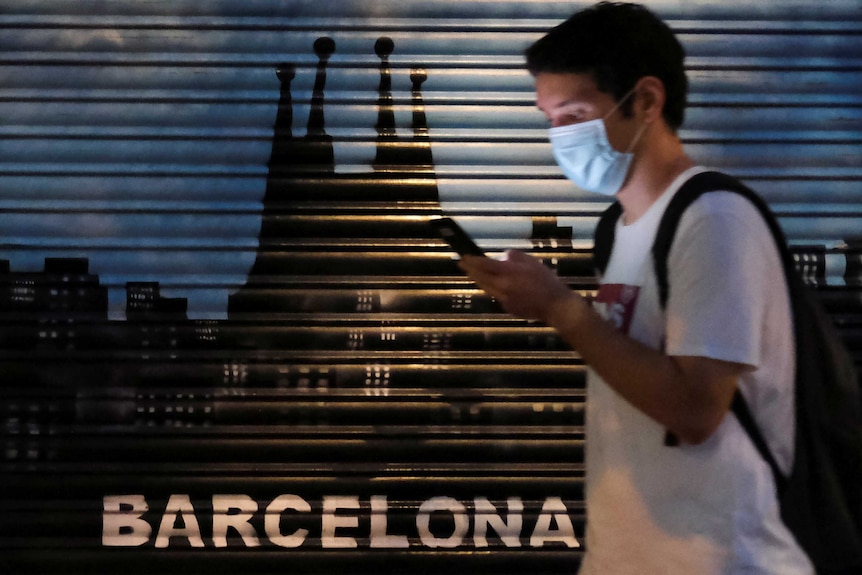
(587, 158)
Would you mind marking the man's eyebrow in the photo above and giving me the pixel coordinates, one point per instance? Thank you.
(570, 105)
(556, 106)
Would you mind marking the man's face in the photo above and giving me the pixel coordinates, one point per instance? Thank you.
(570, 98)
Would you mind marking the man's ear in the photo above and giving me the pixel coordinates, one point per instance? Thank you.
(651, 98)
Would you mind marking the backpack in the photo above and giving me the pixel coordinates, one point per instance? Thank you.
(821, 499)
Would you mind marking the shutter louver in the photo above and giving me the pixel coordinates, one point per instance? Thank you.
(231, 342)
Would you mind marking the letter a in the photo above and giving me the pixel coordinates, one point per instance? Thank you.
(554, 508)
(179, 505)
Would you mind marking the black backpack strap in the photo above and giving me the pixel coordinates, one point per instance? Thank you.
(688, 193)
(603, 239)
(746, 419)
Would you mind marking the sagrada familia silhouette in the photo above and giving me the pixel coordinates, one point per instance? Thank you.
(307, 199)
(318, 226)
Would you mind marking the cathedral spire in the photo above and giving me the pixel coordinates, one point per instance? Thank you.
(386, 133)
(324, 47)
(394, 155)
(284, 117)
(420, 156)
(420, 122)
(282, 139)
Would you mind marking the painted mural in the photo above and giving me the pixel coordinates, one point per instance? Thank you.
(342, 365)
(230, 342)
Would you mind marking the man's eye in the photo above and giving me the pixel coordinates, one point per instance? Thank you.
(566, 119)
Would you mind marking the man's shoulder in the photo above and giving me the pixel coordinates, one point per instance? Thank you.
(704, 192)
(724, 210)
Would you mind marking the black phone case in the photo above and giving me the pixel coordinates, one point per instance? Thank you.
(456, 237)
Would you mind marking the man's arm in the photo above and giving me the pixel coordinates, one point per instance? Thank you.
(688, 395)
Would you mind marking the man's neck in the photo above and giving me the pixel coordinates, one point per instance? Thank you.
(649, 179)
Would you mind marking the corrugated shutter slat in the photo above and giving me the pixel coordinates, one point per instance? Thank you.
(226, 348)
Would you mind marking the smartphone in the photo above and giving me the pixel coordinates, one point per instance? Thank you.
(456, 237)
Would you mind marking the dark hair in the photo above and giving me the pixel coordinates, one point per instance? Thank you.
(618, 43)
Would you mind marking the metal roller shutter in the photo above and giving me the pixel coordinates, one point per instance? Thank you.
(231, 343)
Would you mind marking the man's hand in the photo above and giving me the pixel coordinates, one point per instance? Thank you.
(522, 284)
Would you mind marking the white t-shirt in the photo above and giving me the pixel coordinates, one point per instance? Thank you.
(701, 509)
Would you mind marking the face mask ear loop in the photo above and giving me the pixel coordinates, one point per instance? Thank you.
(637, 137)
(620, 103)
(616, 107)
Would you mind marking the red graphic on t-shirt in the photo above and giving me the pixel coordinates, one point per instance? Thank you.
(616, 303)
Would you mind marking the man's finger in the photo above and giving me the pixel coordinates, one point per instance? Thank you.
(479, 265)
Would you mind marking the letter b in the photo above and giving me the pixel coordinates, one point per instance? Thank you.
(122, 525)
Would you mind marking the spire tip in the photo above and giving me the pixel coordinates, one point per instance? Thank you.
(384, 46)
(324, 47)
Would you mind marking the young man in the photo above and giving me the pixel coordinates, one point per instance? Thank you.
(674, 484)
